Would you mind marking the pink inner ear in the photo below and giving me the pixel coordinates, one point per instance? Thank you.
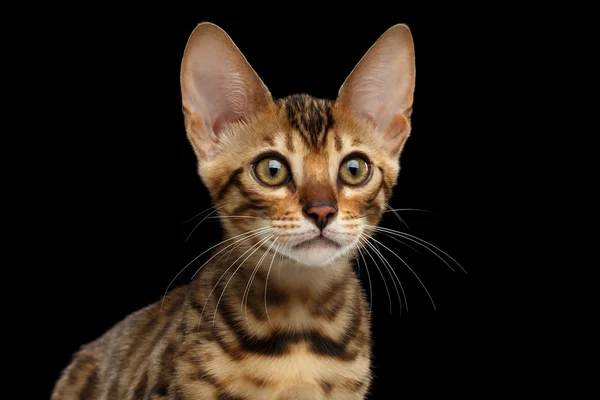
(382, 83)
(224, 119)
(218, 85)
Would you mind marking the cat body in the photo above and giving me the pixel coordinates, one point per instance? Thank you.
(276, 312)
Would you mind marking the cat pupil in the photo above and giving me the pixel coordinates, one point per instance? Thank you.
(353, 167)
(274, 167)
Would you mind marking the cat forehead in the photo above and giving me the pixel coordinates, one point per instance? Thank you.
(312, 118)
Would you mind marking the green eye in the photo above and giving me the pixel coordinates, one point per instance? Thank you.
(272, 171)
(354, 171)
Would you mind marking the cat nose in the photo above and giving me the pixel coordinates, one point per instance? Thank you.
(320, 212)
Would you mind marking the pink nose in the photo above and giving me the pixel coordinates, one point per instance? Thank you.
(320, 212)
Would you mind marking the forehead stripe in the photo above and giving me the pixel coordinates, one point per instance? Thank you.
(311, 117)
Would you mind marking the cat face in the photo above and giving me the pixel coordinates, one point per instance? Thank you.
(311, 175)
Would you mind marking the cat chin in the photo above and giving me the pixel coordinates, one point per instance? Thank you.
(316, 257)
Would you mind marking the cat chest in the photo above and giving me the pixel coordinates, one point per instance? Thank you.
(255, 374)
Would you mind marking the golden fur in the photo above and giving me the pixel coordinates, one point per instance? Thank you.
(266, 318)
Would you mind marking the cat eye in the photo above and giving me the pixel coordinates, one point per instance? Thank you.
(272, 171)
(354, 171)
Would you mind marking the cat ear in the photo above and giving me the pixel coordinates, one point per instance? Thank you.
(218, 87)
(381, 86)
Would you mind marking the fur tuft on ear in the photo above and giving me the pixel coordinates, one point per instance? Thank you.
(218, 87)
(381, 86)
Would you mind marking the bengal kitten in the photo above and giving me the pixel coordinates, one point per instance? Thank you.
(277, 312)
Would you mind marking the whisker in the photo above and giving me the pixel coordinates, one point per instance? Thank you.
(249, 285)
(282, 255)
(410, 269)
(406, 209)
(423, 243)
(368, 276)
(398, 209)
(237, 216)
(382, 277)
(396, 214)
(390, 270)
(201, 221)
(267, 282)
(257, 245)
(204, 252)
(202, 212)
(222, 275)
(400, 241)
(232, 244)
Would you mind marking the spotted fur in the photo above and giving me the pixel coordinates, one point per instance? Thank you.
(263, 318)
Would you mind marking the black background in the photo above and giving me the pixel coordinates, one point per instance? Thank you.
(121, 181)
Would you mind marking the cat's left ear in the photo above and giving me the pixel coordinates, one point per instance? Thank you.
(218, 87)
(381, 86)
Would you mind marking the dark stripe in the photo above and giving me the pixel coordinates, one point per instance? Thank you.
(233, 351)
(311, 117)
(173, 304)
(140, 388)
(202, 375)
(338, 142)
(257, 381)
(80, 360)
(232, 179)
(227, 396)
(277, 344)
(197, 304)
(269, 140)
(356, 141)
(327, 387)
(256, 303)
(166, 371)
(179, 394)
(89, 390)
(177, 298)
(113, 392)
(159, 389)
(332, 301)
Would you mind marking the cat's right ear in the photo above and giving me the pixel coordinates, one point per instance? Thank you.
(218, 87)
(381, 86)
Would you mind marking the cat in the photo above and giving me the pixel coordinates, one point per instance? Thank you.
(276, 312)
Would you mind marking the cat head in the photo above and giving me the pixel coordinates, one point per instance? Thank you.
(311, 175)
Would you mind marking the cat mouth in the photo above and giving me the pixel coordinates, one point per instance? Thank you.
(317, 242)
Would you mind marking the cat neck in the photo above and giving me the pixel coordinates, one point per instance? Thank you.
(284, 295)
(289, 292)
(292, 276)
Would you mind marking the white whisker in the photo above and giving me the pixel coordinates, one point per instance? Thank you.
(267, 282)
(248, 286)
(396, 214)
(391, 271)
(202, 212)
(406, 209)
(368, 276)
(254, 234)
(411, 270)
(422, 242)
(201, 221)
(400, 241)
(236, 217)
(257, 245)
(222, 275)
(204, 252)
(382, 277)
